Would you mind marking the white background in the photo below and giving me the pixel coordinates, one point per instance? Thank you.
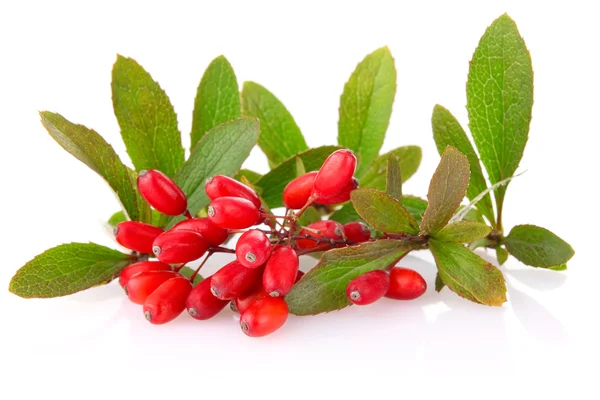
(95, 344)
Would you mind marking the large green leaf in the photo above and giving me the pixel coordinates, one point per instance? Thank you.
(537, 246)
(217, 99)
(500, 99)
(448, 132)
(67, 269)
(414, 205)
(383, 212)
(463, 232)
(467, 274)
(146, 117)
(366, 106)
(409, 158)
(323, 288)
(91, 149)
(280, 137)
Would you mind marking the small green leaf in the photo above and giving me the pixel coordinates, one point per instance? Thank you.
(467, 274)
(383, 212)
(309, 216)
(366, 106)
(394, 178)
(323, 288)
(273, 183)
(119, 217)
(220, 152)
(409, 158)
(537, 246)
(188, 272)
(67, 269)
(472, 215)
(414, 205)
(561, 267)
(447, 189)
(217, 99)
(280, 137)
(500, 99)
(252, 176)
(448, 132)
(501, 255)
(439, 284)
(91, 149)
(146, 117)
(300, 168)
(463, 232)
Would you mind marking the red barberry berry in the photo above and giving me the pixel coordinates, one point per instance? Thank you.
(368, 288)
(253, 249)
(233, 213)
(298, 191)
(335, 173)
(161, 192)
(167, 301)
(175, 247)
(131, 270)
(141, 285)
(405, 284)
(264, 317)
(234, 280)
(327, 229)
(357, 232)
(201, 303)
(281, 271)
(342, 196)
(299, 276)
(224, 186)
(214, 235)
(136, 236)
(242, 303)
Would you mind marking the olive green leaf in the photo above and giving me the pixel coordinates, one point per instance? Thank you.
(252, 176)
(561, 267)
(501, 255)
(463, 232)
(537, 246)
(409, 158)
(394, 178)
(414, 205)
(383, 212)
(439, 284)
(188, 272)
(119, 217)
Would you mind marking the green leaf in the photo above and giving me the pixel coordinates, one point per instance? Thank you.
(67, 269)
(252, 176)
(473, 215)
(501, 255)
(273, 183)
(300, 168)
(280, 137)
(439, 284)
(366, 106)
(146, 117)
(309, 216)
(187, 272)
(394, 178)
(217, 99)
(383, 212)
(467, 274)
(409, 158)
(119, 217)
(537, 246)
(91, 149)
(463, 232)
(448, 132)
(500, 99)
(446, 190)
(220, 152)
(414, 205)
(561, 267)
(323, 288)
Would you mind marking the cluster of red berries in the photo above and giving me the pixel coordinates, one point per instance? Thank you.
(266, 264)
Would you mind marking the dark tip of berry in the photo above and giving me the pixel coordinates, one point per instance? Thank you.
(126, 292)
(233, 307)
(209, 180)
(274, 293)
(244, 327)
(250, 257)
(214, 291)
(142, 173)
(211, 211)
(355, 295)
(116, 230)
(156, 250)
(192, 311)
(148, 315)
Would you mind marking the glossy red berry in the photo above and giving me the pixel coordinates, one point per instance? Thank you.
(335, 173)
(242, 303)
(357, 232)
(233, 213)
(201, 303)
(368, 288)
(235, 280)
(264, 317)
(214, 235)
(131, 270)
(167, 301)
(253, 249)
(136, 236)
(175, 247)
(405, 284)
(327, 229)
(299, 276)
(224, 186)
(141, 285)
(297, 192)
(342, 196)
(161, 192)
(280, 272)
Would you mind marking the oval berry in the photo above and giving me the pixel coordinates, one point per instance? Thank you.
(161, 192)
(281, 272)
(131, 270)
(224, 186)
(233, 213)
(253, 249)
(242, 303)
(327, 229)
(335, 173)
(368, 288)
(234, 280)
(357, 232)
(201, 303)
(136, 236)
(167, 301)
(175, 247)
(405, 284)
(143, 284)
(264, 317)
(214, 235)
(298, 191)
(342, 196)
